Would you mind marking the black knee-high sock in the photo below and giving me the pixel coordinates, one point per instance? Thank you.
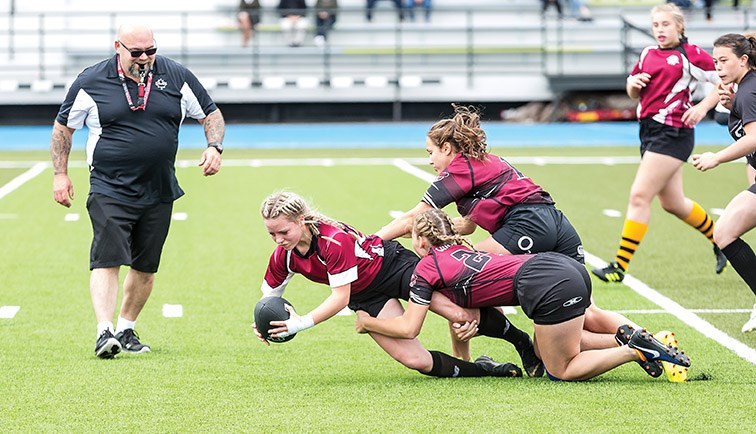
(445, 365)
(493, 323)
(743, 260)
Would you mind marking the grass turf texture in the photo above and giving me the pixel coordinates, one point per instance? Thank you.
(207, 372)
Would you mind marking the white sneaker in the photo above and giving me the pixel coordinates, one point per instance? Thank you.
(750, 325)
(318, 40)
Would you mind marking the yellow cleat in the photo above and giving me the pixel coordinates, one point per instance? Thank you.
(675, 373)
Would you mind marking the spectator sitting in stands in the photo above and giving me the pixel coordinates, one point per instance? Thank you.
(249, 18)
(557, 4)
(580, 11)
(325, 18)
(371, 5)
(293, 21)
(426, 4)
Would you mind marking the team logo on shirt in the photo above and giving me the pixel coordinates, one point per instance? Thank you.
(161, 84)
(673, 60)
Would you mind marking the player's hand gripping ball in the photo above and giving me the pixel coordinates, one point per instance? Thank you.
(271, 309)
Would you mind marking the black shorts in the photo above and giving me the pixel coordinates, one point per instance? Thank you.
(553, 288)
(127, 235)
(666, 140)
(752, 188)
(536, 228)
(392, 280)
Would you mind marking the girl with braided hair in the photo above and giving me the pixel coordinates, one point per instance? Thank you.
(363, 272)
(553, 290)
(735, 61)
(519, 214)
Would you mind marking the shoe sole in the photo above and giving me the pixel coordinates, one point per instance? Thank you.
(659, 351)
(604, 277)
(109, 350)
(654, 368)
(675, 373)
(143, 350)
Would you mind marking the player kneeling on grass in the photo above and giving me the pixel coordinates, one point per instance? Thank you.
(365, 273)
(554, 291)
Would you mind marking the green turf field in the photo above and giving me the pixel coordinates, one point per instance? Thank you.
(208, 372)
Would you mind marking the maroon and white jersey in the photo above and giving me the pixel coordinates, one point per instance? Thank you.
(673, 78)
(484, 190)
(468, 278)
(336, 257)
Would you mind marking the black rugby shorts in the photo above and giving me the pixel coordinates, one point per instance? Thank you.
(553, 288)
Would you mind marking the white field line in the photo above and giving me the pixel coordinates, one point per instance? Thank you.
(666, 303)
(21, 179)
(658, 311)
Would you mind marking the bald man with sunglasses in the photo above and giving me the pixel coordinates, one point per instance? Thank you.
(133, 105)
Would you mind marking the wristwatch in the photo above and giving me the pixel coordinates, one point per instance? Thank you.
(217, 145)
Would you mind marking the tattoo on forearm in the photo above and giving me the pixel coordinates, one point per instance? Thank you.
(60, 148)
(215, 127)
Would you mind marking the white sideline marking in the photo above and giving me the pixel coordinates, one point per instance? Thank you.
(22, 179)
(8, 216)
(71, 217)
(8, 312)
(666, 303)
(612, 213)
(684, 315)
(405, 166)
(717, 211)
(344, 312)
(658, 311)
(180, 216)
(173, 310)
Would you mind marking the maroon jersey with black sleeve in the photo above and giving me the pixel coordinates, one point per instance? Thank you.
(468, 278)
(673, 77)
(336, 257)
(484, 190)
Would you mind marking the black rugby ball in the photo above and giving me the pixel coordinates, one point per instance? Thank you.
(271, 309)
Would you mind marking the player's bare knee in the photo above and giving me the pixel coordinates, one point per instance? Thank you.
(416, 362)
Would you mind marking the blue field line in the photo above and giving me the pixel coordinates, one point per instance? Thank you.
(382, 135)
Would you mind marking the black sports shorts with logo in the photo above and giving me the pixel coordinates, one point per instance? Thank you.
(539, 227)
(552, 288)
(392, 281)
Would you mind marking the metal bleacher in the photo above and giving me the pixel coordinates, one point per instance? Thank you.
(477, 50)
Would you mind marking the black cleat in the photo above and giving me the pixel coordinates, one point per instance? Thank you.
(652, 349)
(496, 369)
(653, 368)
(721, 260)
(107, 346)
(610, 273)
(130, 342)
(530, 362)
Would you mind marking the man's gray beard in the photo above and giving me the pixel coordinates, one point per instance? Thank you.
(134, 71)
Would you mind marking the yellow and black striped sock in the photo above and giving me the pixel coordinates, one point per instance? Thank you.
(632, 234)
(701, 221)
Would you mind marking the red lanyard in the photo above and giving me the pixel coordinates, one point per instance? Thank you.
(144, 90)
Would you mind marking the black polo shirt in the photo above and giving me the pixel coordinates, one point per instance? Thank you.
(131, 154)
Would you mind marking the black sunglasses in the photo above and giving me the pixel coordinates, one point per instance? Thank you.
(138, 53)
